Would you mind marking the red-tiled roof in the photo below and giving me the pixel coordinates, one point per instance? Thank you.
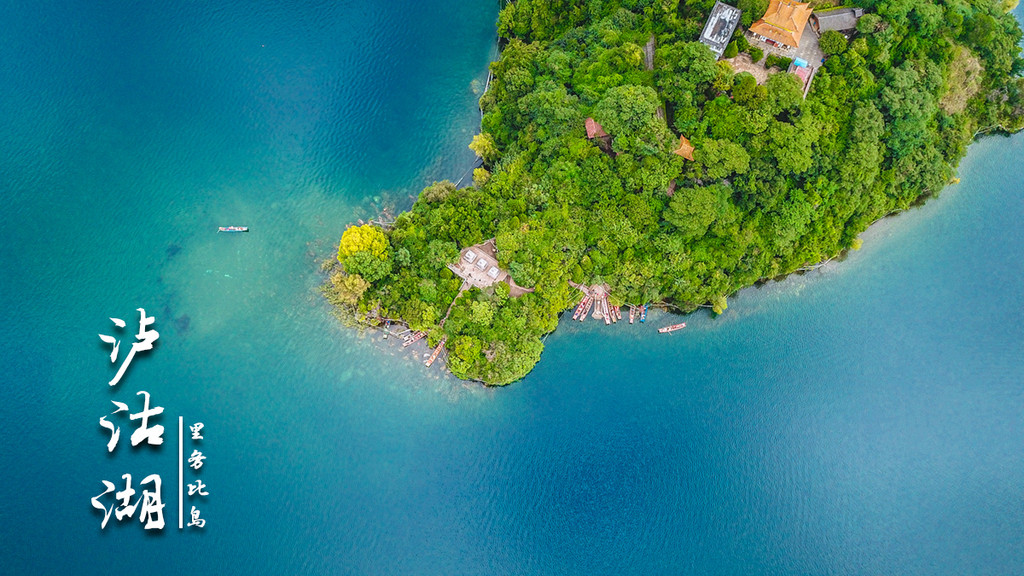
(595, 130)
(783, 22)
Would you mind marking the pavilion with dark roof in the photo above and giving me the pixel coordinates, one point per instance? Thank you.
(840, 20)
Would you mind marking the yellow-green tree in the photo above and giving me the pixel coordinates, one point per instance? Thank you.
(480, 177)
(346, 289)
(484, 146)
(719, 304)
(365, 238)
(364, 251)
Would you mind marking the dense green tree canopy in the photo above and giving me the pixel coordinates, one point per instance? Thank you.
(777, 181)
(832, 43)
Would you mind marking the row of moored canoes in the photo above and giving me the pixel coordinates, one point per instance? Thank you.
(614, 313)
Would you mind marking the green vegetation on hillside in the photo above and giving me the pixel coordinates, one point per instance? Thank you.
(777, 182)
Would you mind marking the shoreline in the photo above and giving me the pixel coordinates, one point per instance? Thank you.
(486, 150)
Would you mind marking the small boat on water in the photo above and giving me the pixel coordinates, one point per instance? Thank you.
(387, 329)
(632, 313)
(437, 352)
(233, 229)
(643, 313)
(672, 328)
(579, 309)
(416, 337)
(586, 310)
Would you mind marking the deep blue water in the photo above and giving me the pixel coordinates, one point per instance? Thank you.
(866, 418)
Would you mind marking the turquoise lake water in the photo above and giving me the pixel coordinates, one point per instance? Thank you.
(865, 418)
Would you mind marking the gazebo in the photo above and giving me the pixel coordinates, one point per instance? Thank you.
(685, 149)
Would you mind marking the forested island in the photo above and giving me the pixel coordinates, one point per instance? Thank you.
(764, 181)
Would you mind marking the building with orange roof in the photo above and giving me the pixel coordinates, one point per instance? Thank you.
(595, 130)
(783, 23)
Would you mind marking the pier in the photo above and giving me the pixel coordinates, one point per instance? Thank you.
(595, 298)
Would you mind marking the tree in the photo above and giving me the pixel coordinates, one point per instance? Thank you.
(364, 251)
(484, 146)
(775, 61)
(832, 43)
(628, 113)
(365, 238)
(865, 152)
(481, 313)
(752, 10)
(789, 222)
(438, 191)
(346, 289)
(370, 267)
(982, 29)
(745, 89)
(927, 17)
(719, 304)
(723, 83)
(869, 24)
(683, 68)
(731, 50)
(721, 158)
(480, 176)
(791, 148)
(910, 105)
(785, 94)
(693, 210)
